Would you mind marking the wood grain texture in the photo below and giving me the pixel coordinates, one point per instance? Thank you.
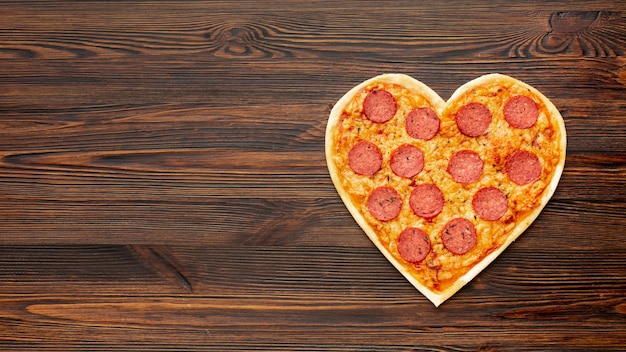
(163, 183)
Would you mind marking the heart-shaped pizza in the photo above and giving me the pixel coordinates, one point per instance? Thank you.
(442, 188)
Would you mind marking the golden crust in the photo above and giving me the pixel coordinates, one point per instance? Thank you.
(406, 85)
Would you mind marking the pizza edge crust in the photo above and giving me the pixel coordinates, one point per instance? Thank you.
(437, 298)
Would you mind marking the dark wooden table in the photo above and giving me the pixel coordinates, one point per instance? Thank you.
(163, 185)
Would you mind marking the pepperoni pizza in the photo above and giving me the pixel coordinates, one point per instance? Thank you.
(442, 188)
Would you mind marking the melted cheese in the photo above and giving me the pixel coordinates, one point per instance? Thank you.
(441, 268)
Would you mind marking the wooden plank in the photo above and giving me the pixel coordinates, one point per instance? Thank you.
(285, 292)
(281, 271)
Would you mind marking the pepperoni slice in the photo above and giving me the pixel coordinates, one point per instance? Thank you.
(490, 203)
(465, 166)
(473, 119)
(413, 245)
(523, 167)
(422, 123)
(459, 236)
(384, 203)
(407, 161)
(426, 201)
(379, 106)
(365, 158)
(521, 111)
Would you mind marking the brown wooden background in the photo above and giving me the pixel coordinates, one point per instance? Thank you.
(163, 183)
